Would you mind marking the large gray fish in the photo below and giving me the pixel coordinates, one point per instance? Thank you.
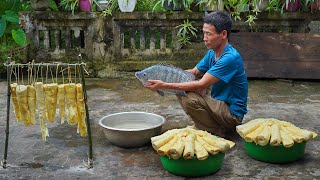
(165, 73)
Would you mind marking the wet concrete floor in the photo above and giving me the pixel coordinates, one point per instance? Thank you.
(64, 154)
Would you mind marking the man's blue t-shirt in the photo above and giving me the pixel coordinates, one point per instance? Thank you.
(233, 85)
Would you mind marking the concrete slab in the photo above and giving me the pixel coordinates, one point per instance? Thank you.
(64, 154)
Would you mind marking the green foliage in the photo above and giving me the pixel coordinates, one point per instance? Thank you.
(53, 5)
(12, 19)
(11, 36)
(112, 7)
(176, 4)
(19, 36)
(185, 30)
(145, 5)
(3, 26)
(70, 5)
(13, 5)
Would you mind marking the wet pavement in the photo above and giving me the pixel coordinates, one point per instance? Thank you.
(64, 155)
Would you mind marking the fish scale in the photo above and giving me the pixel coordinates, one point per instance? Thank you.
(165, 73)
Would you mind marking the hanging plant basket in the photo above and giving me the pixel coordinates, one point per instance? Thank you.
(85, 5)
(127, 5)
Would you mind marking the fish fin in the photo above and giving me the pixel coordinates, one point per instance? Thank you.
(165, 64)
(181, 93)
(161, 93)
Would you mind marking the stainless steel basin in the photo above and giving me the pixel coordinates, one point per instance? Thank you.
(131, 129)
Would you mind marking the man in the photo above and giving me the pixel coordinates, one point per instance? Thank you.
(222, 69)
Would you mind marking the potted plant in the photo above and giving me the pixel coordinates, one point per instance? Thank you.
(127, 5)
(73, 5)
(275, 5)
(212, 5)
(175, 5)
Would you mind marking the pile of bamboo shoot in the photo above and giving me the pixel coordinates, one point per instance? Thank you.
(45, 97)
(274, 132)
(188, 142)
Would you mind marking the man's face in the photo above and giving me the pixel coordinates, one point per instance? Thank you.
(210, 36)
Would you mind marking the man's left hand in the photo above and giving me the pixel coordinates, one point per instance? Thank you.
(154, 85)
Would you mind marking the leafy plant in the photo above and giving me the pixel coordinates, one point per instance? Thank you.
(209, 3)
(11, 35)
(186, 30)
(145, 5)
(112, 6)
(70, 5)
(10, 22)
(186, 4)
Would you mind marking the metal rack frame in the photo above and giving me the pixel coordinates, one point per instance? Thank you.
(9, 65)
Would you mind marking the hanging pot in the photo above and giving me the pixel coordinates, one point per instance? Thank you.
(39, 5)
(102, 5)
(127, 5)
(85, 5)
(293, 5)
(315, 6)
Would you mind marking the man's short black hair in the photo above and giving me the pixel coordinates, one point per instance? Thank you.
(220, 20)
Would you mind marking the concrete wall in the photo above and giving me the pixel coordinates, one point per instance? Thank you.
(133, 41)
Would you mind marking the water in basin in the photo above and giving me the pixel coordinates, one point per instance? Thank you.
(132, 125)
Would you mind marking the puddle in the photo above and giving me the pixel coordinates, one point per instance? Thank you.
(31, 165)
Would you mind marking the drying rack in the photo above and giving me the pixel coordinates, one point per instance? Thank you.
(10, 65)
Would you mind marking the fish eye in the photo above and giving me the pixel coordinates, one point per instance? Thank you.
(144, 74)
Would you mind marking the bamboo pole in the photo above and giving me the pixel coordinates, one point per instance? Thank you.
(9, 68)
(12, 64)
(90, 158)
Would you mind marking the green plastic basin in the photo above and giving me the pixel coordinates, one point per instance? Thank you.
(193, 167)
(275, 154)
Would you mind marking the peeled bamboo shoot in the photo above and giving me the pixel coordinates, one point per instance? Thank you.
(82, 127)
(200, 151)
(176, 150)
(214, 141)
(164, 150)
(41, 109)
(245, 129)
(160, 142)
(71, 99)
(275, 139)
(263, 138)
(15, 102)
(252, 136)
(22, 97)
(51, 92)
(61, 102)
(209, 148)
(32, 104)
(286, 140)
(189, 146)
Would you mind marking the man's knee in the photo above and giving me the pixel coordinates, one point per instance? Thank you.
(189, 103)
